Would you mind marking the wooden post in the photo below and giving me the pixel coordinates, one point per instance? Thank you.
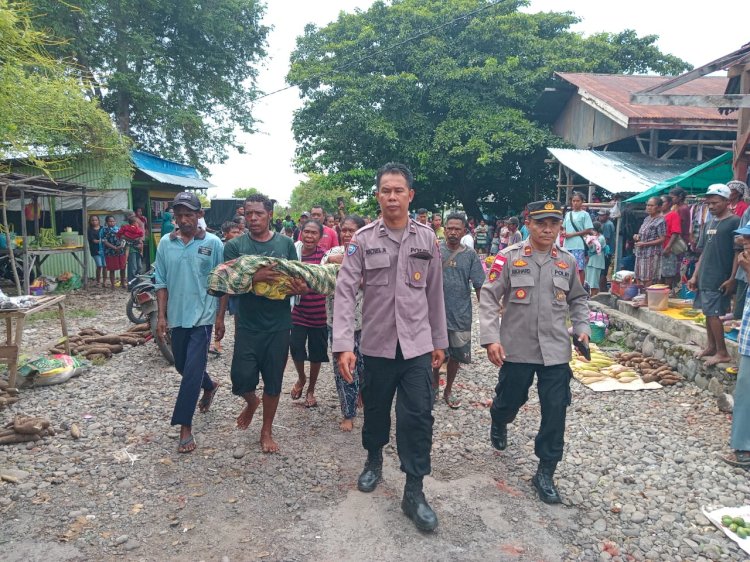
(85, 230)
(35, 199)
(11, 255)
(741, 159)
(617, 242)
(25, 251)
(653, 143)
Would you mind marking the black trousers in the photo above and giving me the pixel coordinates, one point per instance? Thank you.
(411, 381)
(553, 385)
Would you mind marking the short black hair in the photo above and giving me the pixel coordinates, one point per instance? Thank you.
(229, 225)
(356, 219)
(456, 217)
(395, 168)
(316, 223)
(422, 211)
(260, 198)
(239, 219)
(321, 207)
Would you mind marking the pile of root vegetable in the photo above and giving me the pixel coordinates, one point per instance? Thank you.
(650, 368)
(8, 396)
(625, 367)
(601, 367)
(25, 428)
(95, 344)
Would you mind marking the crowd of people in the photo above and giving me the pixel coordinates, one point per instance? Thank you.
(118, 249)
(402, 310)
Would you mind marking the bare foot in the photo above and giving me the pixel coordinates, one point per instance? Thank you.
(347, 424)
(246, 416)
(716, 359)
(267, 444)
(310, 400)
(708, 352)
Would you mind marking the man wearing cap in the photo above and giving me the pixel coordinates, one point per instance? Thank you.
(535, 288)
(184, 258)
(397, 263)
(713, 273)
(740, 437)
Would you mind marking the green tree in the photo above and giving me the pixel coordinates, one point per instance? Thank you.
(243, 192)
(45, 115)
(456, 103)
(318, 190)
(178, 77)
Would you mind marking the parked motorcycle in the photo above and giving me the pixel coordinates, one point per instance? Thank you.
(137, 285)
(148, 307)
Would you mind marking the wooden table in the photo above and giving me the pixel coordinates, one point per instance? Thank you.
(13, 337)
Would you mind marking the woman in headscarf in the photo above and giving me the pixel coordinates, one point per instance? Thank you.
(648, 244)
(737, 203)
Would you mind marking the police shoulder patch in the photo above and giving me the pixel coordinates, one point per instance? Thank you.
(351, 249)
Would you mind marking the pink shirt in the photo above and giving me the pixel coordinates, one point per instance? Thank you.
(329, 239)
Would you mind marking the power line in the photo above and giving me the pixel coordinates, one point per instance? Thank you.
(391, 47)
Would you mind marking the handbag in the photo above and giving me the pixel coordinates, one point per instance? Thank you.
(679, 246)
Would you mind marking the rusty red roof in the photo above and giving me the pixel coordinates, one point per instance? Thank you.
(611, 93)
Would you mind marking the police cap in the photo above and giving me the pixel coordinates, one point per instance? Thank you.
(545, 209)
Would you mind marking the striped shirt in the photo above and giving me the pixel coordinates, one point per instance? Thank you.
(310, 311)
(743, 341)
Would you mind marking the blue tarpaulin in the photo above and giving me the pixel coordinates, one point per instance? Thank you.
(168, 171)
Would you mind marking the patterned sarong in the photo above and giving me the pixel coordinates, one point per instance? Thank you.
(235, 277)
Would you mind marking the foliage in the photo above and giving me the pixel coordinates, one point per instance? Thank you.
(243, 192)
(45, 114)
(318, 190)
(456, 103)
(205, 201)
(179, 77)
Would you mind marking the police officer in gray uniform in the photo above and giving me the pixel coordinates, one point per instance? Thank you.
(397, 262)
(534, 287)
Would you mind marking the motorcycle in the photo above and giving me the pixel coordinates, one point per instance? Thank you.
(149, 310)
(139, 283)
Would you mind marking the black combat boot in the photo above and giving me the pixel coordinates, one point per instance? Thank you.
(544, 484)
(372, 472)
(415, 506)
(499, 436)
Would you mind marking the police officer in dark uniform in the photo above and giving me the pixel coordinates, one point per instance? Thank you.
(397, 262)
(535, 288)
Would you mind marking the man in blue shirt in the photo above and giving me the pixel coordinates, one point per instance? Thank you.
(184, 259)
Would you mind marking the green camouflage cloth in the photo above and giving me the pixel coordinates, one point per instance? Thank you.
(235, 277)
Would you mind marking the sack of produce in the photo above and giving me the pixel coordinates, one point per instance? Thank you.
(45, 371)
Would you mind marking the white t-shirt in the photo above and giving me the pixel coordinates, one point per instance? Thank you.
(202, 223)
(468, 240)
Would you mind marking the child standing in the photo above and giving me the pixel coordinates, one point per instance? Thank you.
(595, 244)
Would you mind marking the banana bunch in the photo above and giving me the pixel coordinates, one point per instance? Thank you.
(601, 367)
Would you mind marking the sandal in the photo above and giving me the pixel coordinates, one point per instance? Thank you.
(311, 403)
(296, 392)
(187, 445)
(208, 397)
(453, 402)
(740, 459)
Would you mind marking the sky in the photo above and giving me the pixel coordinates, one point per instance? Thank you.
(695, 35)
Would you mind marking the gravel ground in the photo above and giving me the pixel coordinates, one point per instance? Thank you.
(637, 469)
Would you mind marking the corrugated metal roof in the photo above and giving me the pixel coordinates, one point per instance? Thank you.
(611, 94)
(168, 171)
(620, 172)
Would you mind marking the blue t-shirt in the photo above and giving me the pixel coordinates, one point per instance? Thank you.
(576, 221)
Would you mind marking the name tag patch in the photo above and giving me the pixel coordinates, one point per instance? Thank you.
(205, 250)
(373, 251)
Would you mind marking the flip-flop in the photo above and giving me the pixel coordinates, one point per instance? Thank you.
(737, 461)
(309, 404)
(185, 445)
(453, 402)
(207, 399)
(295, 392)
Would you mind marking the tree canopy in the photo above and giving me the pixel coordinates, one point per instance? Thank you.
(178, 77)
(319, 191)
(244, 192)
(46, 119)
(453, 97)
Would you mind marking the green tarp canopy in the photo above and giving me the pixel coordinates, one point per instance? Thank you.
(696, 180)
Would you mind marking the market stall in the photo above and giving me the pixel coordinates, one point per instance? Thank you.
(15, 186)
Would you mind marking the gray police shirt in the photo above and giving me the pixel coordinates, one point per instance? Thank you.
(460, 274)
